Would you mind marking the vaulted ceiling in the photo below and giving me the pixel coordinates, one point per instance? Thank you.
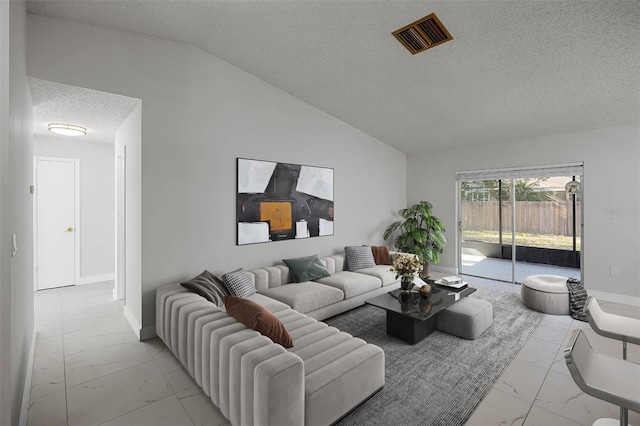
(514, 70)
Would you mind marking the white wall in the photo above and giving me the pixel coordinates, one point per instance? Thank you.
(199, 114)
(5, 274)
(16, 272)
(611, 159)
(97, 200)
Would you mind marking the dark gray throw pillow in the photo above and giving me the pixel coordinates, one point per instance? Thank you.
(359, 257)
(208, 286)
(306, 268)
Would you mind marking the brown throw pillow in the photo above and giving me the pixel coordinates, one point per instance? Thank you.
(381, 255)
(208, 286)
(259, 318)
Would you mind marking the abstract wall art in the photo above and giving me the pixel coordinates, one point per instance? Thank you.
(281, 201)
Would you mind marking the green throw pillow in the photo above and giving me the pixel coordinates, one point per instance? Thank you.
(306, 268)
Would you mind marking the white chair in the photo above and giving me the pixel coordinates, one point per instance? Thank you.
(611, 379)
(616, 327)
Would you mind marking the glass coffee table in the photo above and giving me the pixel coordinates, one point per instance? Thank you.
(412, 317)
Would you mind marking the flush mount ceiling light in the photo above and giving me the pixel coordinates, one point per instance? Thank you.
(423, 34)
(67, 129)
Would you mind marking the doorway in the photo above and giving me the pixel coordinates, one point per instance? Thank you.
(109, 251)
(56, 207)
(519, 222)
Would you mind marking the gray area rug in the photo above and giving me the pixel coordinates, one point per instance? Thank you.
(440, 380)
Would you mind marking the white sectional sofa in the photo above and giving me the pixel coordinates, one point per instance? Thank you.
(324, 297)
(255, 381)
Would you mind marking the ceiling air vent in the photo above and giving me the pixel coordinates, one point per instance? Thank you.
(423, 34)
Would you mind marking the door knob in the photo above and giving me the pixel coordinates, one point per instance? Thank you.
(69, 229)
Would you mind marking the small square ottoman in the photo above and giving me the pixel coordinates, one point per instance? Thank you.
(468, 318)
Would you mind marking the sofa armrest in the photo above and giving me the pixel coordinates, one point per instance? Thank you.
(272, 387)
(281, 380)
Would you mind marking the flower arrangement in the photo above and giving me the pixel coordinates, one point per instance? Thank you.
(406, 266)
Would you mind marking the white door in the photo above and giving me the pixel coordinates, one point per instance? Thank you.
(55, 220)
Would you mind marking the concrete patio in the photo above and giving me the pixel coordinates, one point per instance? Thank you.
(475, 264)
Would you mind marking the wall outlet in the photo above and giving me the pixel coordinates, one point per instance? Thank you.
(614, 270)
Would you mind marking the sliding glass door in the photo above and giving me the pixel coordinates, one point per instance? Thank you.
(547, 238)
(520, 222)
(485, 228)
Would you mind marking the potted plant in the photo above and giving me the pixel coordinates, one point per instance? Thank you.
(420, 233)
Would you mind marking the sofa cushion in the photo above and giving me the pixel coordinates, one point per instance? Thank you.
(259, 318)
(271, 304)
(306, 268)
(208, 286)
(383, 272)
(270, 276)
(352, 283)
(344, 376)
(381, 255)
(338, 261)
(305, 297)
(238, 283)
(359, 257)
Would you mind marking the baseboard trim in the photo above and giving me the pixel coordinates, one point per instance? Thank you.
(133, 322)
(142, 333)
(148, 332)
(92, 279)
(615, 297)
(26, 395)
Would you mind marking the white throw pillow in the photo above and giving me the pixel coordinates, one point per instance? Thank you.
(238, 283)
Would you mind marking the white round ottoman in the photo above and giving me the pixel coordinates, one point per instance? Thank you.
(546, 293)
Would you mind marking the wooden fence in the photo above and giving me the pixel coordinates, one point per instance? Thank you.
(536, 217)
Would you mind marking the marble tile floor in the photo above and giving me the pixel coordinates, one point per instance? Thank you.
(89, 369)
(536, 389)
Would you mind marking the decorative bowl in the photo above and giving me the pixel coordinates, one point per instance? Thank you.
(425, 290)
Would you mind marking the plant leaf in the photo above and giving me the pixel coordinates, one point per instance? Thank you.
(391, 228)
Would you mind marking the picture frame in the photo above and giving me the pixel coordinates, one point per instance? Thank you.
(282, 201)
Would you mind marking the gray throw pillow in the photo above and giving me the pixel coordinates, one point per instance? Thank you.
(238, 283)
(208, 286)
(306, 268)
(359, 257)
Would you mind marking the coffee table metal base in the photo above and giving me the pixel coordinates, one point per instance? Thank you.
(409, 329)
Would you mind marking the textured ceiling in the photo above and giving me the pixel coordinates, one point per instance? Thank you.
(99, 112)
(515, 69)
